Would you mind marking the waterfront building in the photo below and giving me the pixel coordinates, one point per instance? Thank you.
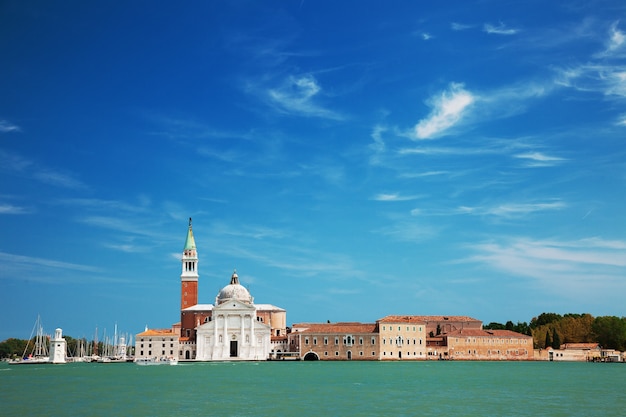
(234, 328)
(402, 337)
(474, 344)
(156, 343)
(335, 341)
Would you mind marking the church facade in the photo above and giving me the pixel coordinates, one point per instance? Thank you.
(233, 328)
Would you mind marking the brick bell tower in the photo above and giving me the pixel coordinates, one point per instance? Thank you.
(189, 276)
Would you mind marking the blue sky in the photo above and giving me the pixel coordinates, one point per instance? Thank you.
(350, 159)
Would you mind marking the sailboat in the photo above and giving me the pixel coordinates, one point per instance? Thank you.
(39, 351)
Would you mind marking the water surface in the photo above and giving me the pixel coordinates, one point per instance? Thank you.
(315, 388)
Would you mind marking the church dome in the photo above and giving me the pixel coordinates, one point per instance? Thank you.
(234, 291)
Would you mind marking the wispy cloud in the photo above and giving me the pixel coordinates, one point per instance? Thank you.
(504, 211)
(395, 197)
(426, 36)
(21, 261)
(6, 127)
(606, 79)
(538, 159)
(24, 167)
(460, 26)
(616, 41)
(408, 231)
(448, 108)
(378, 146)
(297, 95)
(500, 29)
(565, 266)
(11, 209)
(58, 179)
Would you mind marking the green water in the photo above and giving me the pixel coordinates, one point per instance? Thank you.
(315, 389)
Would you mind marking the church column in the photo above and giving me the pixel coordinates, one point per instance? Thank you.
(243, 330)
(226, 346)
(252, 324)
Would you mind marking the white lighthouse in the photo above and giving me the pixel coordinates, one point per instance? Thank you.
(57, 347)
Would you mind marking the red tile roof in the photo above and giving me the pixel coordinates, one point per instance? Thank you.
(158, 332)
(424, 319)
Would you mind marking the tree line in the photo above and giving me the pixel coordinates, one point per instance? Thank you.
(15, 348)
(554, 330)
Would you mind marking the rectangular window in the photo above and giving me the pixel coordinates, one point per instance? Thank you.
(306, 340)
(373, 340)
(325, 340)
(336, 340)
(336, 353)
(360, 340)
(315, 340)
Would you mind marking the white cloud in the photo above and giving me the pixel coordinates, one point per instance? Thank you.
(616, 41)
(426, 36)
(29, 261)
(606, 79)
(394, 197)
(516, 210)
(378, 146)
(409, 231)
(538, 159)
(504, 211)
(6, 127)
(501, 29)
(58, 178)
(11, 209)
(460, 26)
(576, 267)
(296, 96)
(449, 107)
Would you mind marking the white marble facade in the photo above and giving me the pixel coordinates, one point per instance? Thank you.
(233, 333)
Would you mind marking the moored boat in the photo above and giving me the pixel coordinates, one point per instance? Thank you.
(156, 361)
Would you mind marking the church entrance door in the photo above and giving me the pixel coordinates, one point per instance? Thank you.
(233, 349)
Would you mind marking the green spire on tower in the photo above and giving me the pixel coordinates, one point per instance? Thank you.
(190, 243)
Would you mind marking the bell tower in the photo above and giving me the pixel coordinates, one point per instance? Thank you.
(189, 276)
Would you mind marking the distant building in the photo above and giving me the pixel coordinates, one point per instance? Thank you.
(408, 338)
(234, 328)
(488, 345)
(156, 343)
(334, 341)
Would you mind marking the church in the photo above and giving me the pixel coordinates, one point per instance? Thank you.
(233, 328)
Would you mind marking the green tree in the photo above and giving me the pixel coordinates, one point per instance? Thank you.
(556, 340)
(544, 318)
(11, 348)
(494, 326)
(548, 341)
(610, 332)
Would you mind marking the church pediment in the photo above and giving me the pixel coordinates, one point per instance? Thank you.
(233, 305)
